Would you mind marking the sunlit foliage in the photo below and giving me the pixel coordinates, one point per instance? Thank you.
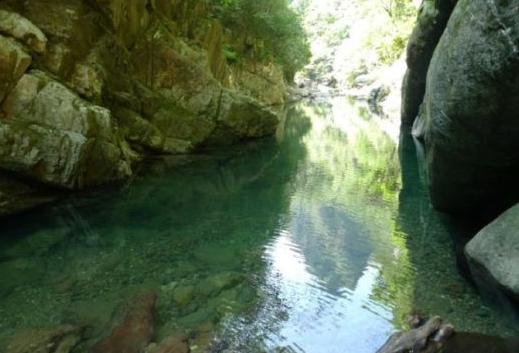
(274, 24)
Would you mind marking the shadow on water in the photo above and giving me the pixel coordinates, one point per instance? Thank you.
(436, 241)
(319, 239)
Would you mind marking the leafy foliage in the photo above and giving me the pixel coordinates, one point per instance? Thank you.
(273, 24)
(353, 40)
(391, 40)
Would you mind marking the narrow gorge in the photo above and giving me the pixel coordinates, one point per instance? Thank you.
(253, 176)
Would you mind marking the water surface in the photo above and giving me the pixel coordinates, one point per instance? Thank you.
(319, 240)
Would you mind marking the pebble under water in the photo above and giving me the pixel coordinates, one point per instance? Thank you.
(320, 240)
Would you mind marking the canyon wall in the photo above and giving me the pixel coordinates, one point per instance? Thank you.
(90, 87)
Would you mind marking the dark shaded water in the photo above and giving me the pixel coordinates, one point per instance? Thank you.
(318, 241)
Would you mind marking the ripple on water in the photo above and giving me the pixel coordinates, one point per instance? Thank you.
(321, 241)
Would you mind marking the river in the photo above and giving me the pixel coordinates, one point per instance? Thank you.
(319, 240)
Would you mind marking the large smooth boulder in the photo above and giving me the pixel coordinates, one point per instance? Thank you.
(135, 332)
(494, 251)
(469, 119)
(432, 20)
(60, 339)
(50, 134)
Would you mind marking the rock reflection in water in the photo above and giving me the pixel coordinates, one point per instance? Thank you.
(313, 241)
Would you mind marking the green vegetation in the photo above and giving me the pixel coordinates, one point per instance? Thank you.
(230, 54)
(351, 39)
(270, 29)
(390, 39)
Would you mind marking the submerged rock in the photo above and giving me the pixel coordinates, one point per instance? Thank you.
(36, 244)
(204, 339)
(183, 295)
(53, 136)
(171, 344)
(14, 61)
(470, 124)
(135, 333)
(18, 272)
(214, 285)
(60, 339)
(494, 252)
(16, 197)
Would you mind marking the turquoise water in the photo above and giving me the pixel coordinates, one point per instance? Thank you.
(319, 240)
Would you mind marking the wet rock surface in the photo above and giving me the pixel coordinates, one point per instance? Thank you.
(429, 338)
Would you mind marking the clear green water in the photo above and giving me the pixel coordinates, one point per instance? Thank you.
(317, 240)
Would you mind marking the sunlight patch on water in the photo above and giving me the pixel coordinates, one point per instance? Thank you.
(323, 321)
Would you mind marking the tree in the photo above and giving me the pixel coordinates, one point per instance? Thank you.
(273, 23)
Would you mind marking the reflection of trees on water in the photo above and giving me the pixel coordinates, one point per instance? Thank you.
(350, 179)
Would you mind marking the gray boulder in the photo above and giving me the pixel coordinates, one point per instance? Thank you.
(495, 251)
(469, 118)
(432, 20)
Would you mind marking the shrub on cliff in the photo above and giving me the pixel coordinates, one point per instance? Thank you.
(274, 24)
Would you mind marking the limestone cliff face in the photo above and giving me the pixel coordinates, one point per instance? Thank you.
(88, 87)
(468, 119)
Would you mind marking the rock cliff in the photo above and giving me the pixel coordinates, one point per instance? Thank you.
(460, 96)
(468, 120)
(89, 87)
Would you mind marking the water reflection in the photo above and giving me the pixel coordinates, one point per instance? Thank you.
(361, 246)
(318, 241)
